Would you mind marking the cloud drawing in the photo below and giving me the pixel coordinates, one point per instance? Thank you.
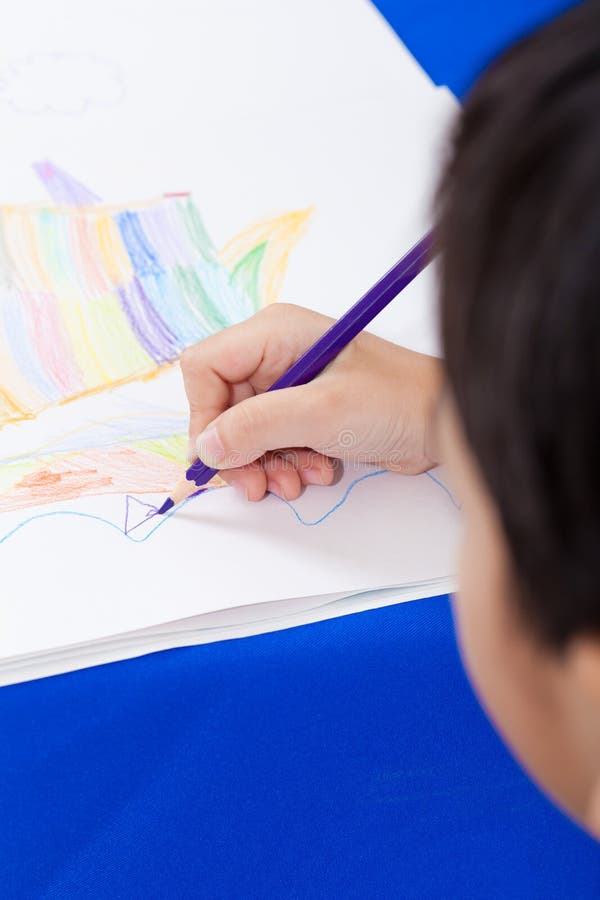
(64, 83)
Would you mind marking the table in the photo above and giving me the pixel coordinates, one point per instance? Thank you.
(343, 759)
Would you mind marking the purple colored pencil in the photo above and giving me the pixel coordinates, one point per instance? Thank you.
(325, 350)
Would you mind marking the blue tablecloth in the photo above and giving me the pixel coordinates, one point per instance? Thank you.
(454, 40)
(343, 759)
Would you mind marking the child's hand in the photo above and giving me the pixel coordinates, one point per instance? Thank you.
(372, 404)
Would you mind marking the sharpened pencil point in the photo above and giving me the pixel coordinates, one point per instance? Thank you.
(167, 505)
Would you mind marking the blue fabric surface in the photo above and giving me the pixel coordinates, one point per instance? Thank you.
(343, 759)
(454, 41)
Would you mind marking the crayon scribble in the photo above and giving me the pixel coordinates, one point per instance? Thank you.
(138, 453)
(146, 514)
(139, 513)
(93, 296)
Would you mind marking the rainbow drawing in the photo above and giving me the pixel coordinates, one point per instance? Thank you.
(95, 295)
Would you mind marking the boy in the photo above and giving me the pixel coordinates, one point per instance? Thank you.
(514, 411)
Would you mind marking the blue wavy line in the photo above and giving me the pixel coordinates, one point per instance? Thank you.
(340, 502)
(80, 515)
(445, 489)
(163, 519)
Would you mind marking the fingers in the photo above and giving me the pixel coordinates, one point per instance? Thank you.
(212, 370)
(250, 481)
(198, 420)
(285, 418)
(283, 473)
(245, 359)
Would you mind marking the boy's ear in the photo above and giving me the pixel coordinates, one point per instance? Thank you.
(583, 659)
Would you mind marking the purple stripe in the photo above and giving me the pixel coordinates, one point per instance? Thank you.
(151, 332)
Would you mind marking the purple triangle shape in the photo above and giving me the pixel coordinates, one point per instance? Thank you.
(138, 510)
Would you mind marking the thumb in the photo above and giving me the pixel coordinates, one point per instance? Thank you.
(269, 421)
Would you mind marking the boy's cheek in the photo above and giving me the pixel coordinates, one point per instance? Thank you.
(518, 683)
(484, 646)
(483, 574)
(469, 608)
(486, 633)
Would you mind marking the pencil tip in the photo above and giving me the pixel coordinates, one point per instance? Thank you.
(167, 505)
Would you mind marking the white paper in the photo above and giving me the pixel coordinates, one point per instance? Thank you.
(258, 109)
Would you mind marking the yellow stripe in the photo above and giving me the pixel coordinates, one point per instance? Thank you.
(280, 234)
(115, 258)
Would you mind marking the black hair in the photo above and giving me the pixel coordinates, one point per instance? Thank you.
(519, 234)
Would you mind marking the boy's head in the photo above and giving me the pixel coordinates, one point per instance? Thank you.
(519, 231)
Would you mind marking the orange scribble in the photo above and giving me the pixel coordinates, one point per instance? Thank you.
(116, 470)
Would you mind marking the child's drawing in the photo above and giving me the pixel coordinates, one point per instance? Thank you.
(134, 452)
(93, 298)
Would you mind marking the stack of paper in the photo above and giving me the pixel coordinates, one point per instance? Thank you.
(153, 192)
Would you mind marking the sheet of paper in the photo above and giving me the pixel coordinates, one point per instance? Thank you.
(243, 622)
(310, 151)
(96, 574)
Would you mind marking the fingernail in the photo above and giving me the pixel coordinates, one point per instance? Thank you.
(210, 449)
